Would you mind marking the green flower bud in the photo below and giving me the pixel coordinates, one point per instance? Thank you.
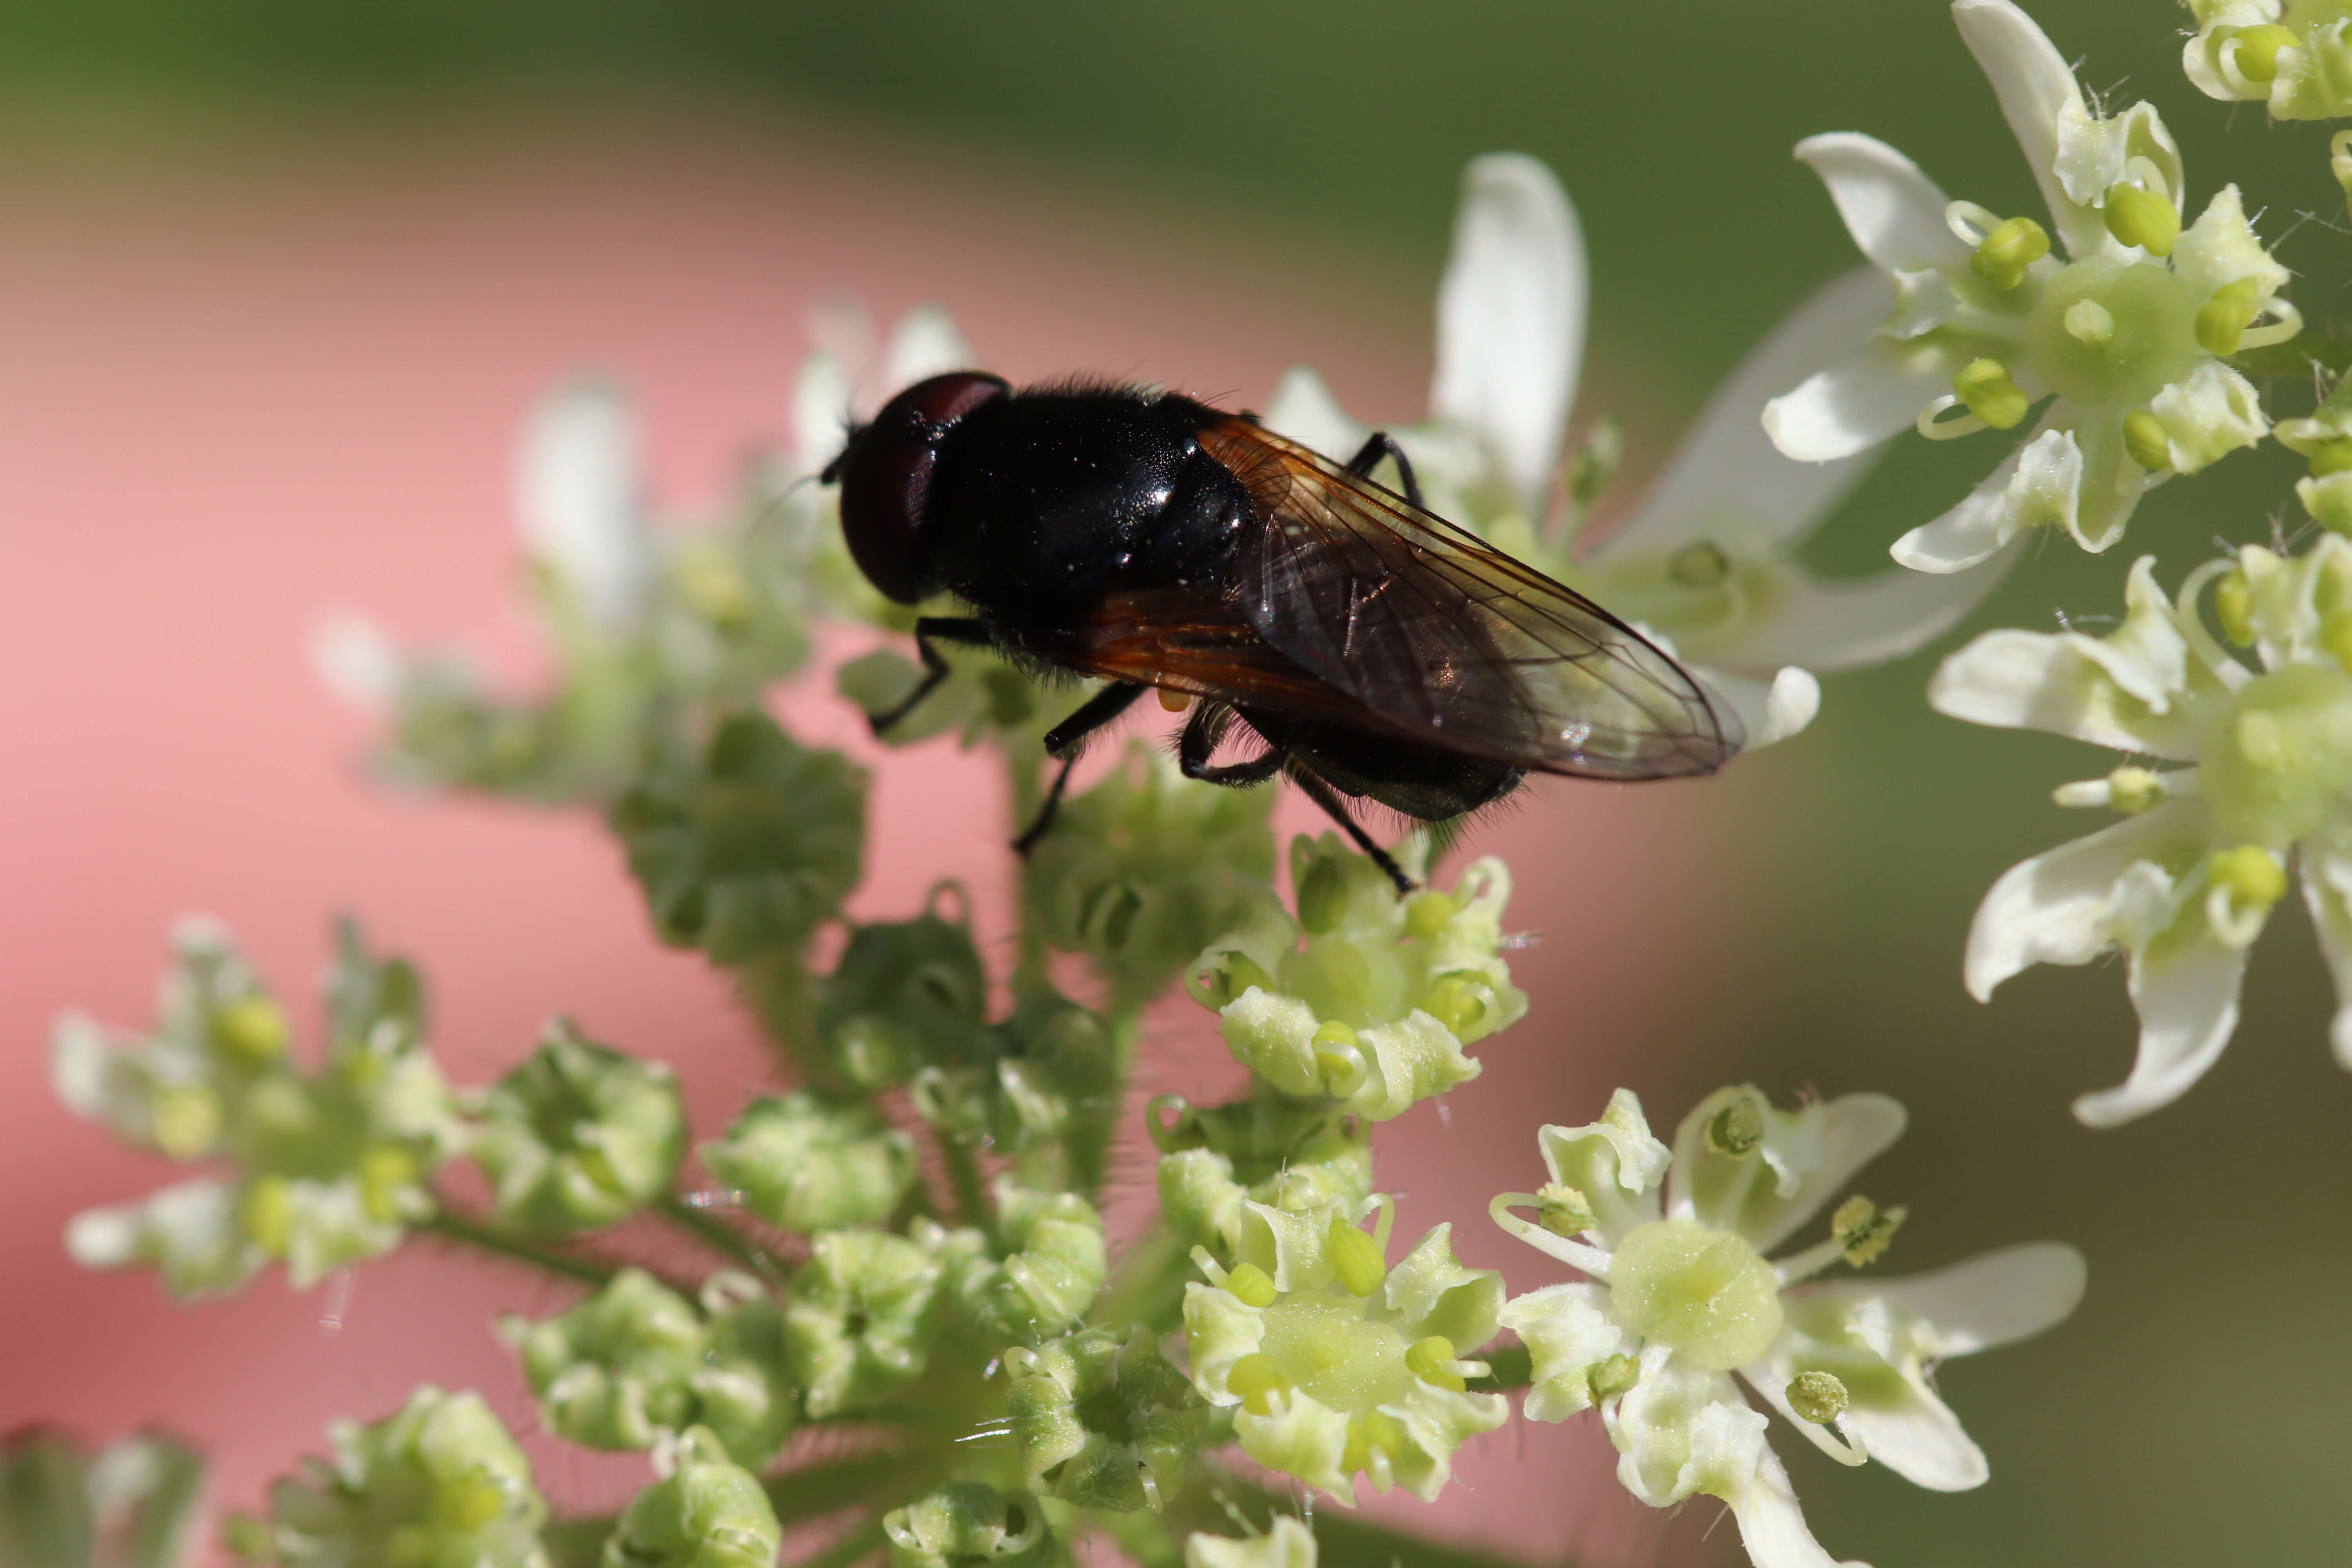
(617, 1369)
(744, 1390)
(438, 1485)
(1144, 870)
(1103, 1421)
(132, 1505)
(904, 995)
(1288, 1153)
(859, 1319)
(1052, 1271)
(806, 1165)
(966, 1523)
(707, 1512)
(1363, 997)
(748, 847)
(578, 1136)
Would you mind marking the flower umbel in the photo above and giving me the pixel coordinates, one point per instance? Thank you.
(2120, 308)
(1334, 1363)
(1679, 1297)
(2186, 881)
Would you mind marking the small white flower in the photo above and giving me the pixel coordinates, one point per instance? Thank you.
(1679, 1299)
(2126, 331)
(577, 494)
(2301, 71)
(2185, 882)
(1705, 565)
(836, 382)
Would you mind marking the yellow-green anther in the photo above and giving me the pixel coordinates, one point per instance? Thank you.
(2331, 457)
(2339, 163)
(1232, 974)
(2009, 250)
(1335, 1052)
(2222, 319)
(2132, 790)
(2234, 606)
(384, 1170)
(1817, 1396)
(1700, 565)
(1610, 1378)
(1426, 915)
(2088, 321)
(2146, 441)
(268, 1214)
(1563, 1211)
(1864, 1230)
(2252, 875)
(1373, 1430)
(250, 1030)
(1984, 386)
(2137, 215)
(1253, 1285)
(2257, 50)
(1257, 1378)
(1456, 1002)
(1355, 1259)
(1432, 1360)
(187, 1119)
(2336, 637)
(1737, 1127)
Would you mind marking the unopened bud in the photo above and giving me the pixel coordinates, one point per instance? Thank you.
(2257, 52)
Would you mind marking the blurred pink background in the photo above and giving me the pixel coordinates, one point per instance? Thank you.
(240, 391)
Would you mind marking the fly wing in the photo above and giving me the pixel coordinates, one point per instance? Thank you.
(1448, 639)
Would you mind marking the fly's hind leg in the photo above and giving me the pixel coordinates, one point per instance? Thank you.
(1383, 445)
(941, 628)
(1199, 743)
(1324, 795)
(1065, 740)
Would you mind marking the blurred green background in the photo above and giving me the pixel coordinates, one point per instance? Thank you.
(2196, 1411)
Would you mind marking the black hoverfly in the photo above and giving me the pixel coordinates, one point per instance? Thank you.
(1375, 650)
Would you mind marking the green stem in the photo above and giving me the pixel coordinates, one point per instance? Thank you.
(715, 1234)
(457, 1228)
(577, 1542)
(1028, 795)
(862, 1481)
(1508, 1366)
(1343, 1540)
(963, 1181)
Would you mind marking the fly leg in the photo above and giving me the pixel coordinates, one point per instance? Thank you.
(1383, 445)
(1066, 740)
(1199, 743)
(946, 628)
(1322, 795)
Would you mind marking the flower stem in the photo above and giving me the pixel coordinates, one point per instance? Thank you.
(457, 1228)
(855, 1544)
(715, 1234)
(963, 1181)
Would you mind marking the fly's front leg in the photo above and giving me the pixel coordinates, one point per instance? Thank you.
(1383, 445)
(1066, 738)
(945, 628)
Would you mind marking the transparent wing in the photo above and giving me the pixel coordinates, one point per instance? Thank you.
(1449, 639)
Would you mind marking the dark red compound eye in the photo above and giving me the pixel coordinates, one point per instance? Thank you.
(885, 475)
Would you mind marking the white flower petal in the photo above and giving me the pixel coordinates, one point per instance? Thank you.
(1811, 1152)
(2325, 866)
(2211, 414)
(2038, 94)
(2184, 986)
(2219, 248)
(576, 492)
(1728, 463)
(1844, 626)
(1304, 409)
(1875, 390)
(2060, 906)
(925, 344)
(819, 412)
(1510, 318)
(1895, 212)
(1769, 710)
(356, 660)
(2038, 484)
(1989, 1301)
(1772, 1527)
